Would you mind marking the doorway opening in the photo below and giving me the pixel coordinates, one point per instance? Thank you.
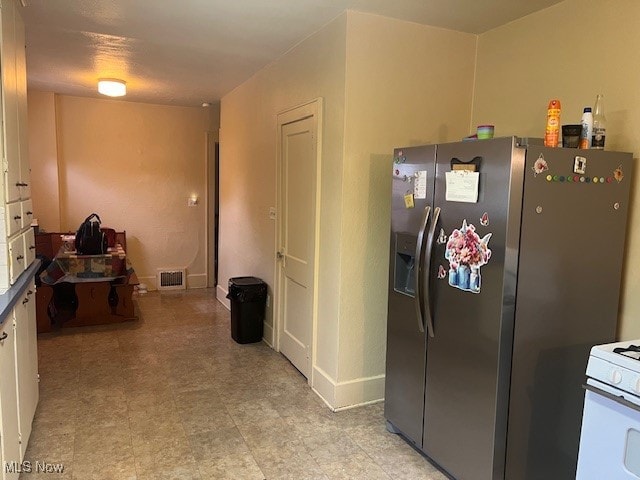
(213, 201)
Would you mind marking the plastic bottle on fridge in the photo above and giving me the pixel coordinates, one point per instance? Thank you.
(552, 132)
(599, 124)
(587, 128)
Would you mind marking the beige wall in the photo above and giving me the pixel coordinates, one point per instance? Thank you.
(571, 51)
(43, 159)
(315, 68)
(135, 165)
(388, 71)
(406, 84)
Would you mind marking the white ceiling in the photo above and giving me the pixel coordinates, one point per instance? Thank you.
(185, 52)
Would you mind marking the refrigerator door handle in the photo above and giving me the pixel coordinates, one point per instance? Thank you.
(427, 287)
(419, 298)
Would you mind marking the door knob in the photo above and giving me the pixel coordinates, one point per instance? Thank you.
(280, 255)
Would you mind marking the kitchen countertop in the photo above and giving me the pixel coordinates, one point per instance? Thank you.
(9, 298)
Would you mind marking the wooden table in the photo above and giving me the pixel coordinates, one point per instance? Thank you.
(79, 290)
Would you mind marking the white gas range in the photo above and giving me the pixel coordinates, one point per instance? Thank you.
(610, 438)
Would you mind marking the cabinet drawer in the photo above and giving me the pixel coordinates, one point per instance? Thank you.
(27, 213)
(29, 239)
(14, 218)
(16, 258)
(12, 183)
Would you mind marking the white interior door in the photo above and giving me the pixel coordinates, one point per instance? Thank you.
(296, 252)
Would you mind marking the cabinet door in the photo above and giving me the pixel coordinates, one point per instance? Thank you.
(10, 102)
(21, 97)
(8, 401)
(16, 258)
(26, 364)
(26, 211)
(29, 247)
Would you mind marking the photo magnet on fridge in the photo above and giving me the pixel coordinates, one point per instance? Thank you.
(540, 166)
(618, 174)
(466, 253)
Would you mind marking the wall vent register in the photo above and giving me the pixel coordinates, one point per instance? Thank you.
(172, 279)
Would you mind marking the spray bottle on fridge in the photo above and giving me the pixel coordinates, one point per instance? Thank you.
(587, 128)
(552, 131)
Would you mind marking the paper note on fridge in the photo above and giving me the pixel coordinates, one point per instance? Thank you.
(420, 185)
(462, 186)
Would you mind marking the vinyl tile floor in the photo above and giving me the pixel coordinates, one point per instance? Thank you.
(172, 396)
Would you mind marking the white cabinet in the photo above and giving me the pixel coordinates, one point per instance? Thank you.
(14, 218)
(21, 98)
(10, 101)
(15, 201)
(18, 341)
(26, 364)
(18, 380)
(29, 238)
(9, 435)
(26, 213)
(16, 258)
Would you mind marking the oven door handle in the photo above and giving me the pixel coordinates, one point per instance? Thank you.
(611, 396)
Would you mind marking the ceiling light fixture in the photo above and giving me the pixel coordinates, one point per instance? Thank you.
(112, 87)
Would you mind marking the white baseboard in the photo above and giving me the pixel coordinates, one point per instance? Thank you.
(349, 394)
(349, 407)
(150, 282)
(197, 280)
(324, 386)
(221, 295)
(267, 335)
(358, 392)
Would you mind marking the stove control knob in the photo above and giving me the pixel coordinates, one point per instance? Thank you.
(615, 376)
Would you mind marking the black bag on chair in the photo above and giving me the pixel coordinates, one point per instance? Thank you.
(89, 239)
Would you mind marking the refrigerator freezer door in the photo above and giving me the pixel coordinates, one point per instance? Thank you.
(573, 234)
(413, 173)
(473, 299)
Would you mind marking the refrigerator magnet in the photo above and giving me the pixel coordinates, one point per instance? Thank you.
(420, 185)
(484, 219)
(442, 273)
(580, 165)
(618, 174)
(442, 237)
(466, 253)
(408, 201)
(540, 166)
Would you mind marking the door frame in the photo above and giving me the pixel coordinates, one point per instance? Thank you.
(212, 207)
(312, 109)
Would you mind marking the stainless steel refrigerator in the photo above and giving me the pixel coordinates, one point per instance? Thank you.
(505, 268)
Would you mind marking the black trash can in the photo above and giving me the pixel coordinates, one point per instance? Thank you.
(248, 297)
